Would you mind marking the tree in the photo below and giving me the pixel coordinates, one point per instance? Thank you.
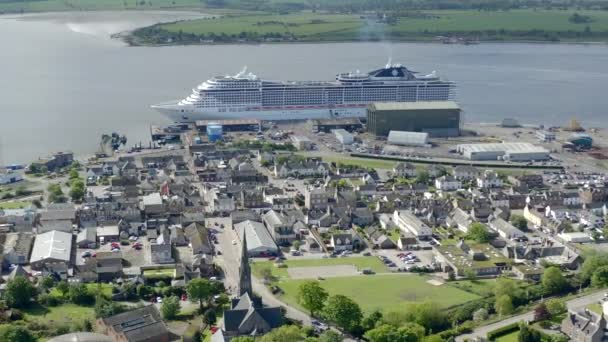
(266, 273)
(63, 288)
(56, 194)
(343, 312)
(554, 281)
(504, 305)
(243, 339)
(74, 174)
(296, 245)
(370, 321)
(47, 282)
(19, 291)
(106, 308)
(527, 334)
(170, 307)
(330, 336)
(15, 333)
(199, 289)
(480, 315)
(422, 177)
(470, 274)
(395, 318)
(210, 317)
(541, 313)
(312, 296)
(79, 294)
(600, 277)
(555, 306)
(411, 332)
(519, 222)
(429, 315)
(281, 334)
(77, 190)
(478, 232)
(591, 264)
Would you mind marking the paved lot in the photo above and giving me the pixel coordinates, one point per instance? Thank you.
(322, 271)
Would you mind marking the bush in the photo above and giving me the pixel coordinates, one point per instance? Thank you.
(507, 329)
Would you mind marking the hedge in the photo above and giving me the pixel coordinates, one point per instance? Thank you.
(507, 329)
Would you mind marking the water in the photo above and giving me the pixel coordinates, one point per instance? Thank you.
(64, 82)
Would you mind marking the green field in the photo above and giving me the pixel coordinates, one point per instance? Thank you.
(360, 262)
(483, 288)
(526, 24)
(512, 337)
(160, 273)
(94, 288)
(14, 205)
(384, 292)
(364, 162)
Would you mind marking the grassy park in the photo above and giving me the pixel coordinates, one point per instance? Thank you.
(359, 262)
(384, 292)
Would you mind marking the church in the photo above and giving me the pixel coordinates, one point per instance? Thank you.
(247, 315)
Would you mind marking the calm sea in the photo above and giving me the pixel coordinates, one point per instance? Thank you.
(65, 82)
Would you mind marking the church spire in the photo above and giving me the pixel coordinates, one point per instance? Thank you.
(245, 270)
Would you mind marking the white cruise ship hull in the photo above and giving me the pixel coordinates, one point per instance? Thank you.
(183, 114)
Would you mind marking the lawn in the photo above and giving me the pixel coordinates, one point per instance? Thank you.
(512, 337)
(160, 273)
(384, 292)
(94, 288)
(364, 162)
(360, 262)
(15, 205)
(63, 313)
(482, 287)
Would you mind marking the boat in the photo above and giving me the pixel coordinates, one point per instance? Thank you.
(247, 96)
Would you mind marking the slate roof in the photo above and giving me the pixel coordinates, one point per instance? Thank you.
(141, 324)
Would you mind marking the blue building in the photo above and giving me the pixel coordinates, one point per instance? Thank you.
(581, 140)
(214, 132)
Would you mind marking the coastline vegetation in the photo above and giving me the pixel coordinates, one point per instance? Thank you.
(511, 25)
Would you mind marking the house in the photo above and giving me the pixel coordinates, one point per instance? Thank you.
(489, 180)
(341, 242)
(87, 238)
(408, 222)
(460, 219)
(152, 204)
(571, 199)
(247, 315)
(59, 218)
(259, 241)
(279, 227)
(448, 183)
(198, 238)
(20, 220)
(108, 266)
(465, 172)
(534, 216)
(531, 181)
(383, 242)
(222, 203)
(499, 199)
(316, 198)
(584, 326)
(505, 229)
(528, 272)
(362, 216)
(404, 169)
(295, 167)
(139, 325)
(108, 233)
(436, 170)
(406, 241)
(161, 250)
(52, 252)
(15, 248)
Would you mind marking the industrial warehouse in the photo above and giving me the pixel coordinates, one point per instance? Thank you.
(503, 151)
(438, 118)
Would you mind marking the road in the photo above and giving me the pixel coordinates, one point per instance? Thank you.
(230, 261)
(528, 316)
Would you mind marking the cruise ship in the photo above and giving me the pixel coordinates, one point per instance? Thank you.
(247, 96)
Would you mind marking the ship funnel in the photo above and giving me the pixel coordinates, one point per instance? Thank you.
(389, 63)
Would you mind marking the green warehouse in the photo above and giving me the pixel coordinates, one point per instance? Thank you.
(438, 118)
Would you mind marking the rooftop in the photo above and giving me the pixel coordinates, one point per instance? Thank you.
(54, 244)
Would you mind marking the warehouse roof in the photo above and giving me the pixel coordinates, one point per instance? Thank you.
(257, 235)
(407, 138)
(54, 244)
(511, 147)
(420, 105)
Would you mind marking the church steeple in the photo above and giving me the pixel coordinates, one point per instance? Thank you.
(245, 270)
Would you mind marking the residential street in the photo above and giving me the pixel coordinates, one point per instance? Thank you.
(528, 316)
(230, 260)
